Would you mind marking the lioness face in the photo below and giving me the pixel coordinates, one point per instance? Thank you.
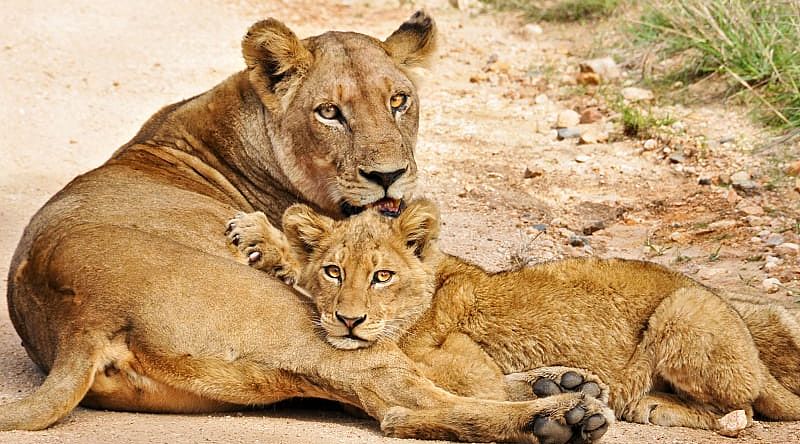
(348, 111)
(371, 277)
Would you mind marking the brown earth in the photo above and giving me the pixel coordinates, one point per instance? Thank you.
(80, 78)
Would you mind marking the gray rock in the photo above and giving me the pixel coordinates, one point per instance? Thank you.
(593, 227)
(773, 240)
(634, 94)
(568, 133)
(677, 158)
(578, 241)
(540, 227)
(739, 177)
(746, 187)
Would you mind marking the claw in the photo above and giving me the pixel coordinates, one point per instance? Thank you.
(254, 257)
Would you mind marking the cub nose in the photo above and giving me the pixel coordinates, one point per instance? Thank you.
(349, 322)
(383, 179)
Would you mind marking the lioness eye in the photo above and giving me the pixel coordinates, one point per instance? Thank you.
(333, 271)
(382, 276)
(328, 111)
(398, 101)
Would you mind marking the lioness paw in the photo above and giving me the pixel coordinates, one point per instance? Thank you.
(573, 418)
(548, 381)
(261, 245)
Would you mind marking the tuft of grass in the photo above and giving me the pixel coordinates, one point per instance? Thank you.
(755, 44)
(558, 11)
(641, 124)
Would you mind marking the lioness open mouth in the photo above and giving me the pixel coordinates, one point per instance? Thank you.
(387, 206)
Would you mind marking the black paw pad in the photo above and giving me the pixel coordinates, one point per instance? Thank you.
(551, 432)
(545, 387)
(570, 380)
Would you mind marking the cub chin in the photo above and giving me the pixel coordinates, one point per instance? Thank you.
(673, 352)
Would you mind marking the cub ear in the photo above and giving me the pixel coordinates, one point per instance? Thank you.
(419, 226)
(273, 47)
(414, 42)
(305, 228)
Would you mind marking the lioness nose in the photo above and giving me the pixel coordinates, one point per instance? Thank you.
(383, 179)
(351, 322)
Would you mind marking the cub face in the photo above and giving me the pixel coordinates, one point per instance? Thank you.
(370, 276)
(346, 110)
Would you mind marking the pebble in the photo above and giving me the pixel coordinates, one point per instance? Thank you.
(591, 115)
(606, 67)
(772, 262)
(732, 423)
(724, 179)
(567, 118)
(722, 225)
(634, 94)
(787, 248)
(678, 126)
(747, 187)
(587, 78)
(704, 181)
(677, 236)
(755, 220)
(677, 158)
(588, 138)
(541, 99)
(540, 227)
(532, 173)
(578, 241)
(773, 240)
(750, 208)
(794, 168)
(771, 285)
(593, 227)
(531, 30)
(739, 177)
(582, 158)
(650, 144)
(568, 133)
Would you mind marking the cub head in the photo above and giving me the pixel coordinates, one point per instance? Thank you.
(370, 276)
(342, 110)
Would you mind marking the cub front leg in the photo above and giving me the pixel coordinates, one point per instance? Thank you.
(548, 381)
(262, 246)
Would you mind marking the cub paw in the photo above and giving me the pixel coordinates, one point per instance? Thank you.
(548, 381)
(261, 245)
(573, 418)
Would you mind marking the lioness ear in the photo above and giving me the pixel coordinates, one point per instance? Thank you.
(419, 226)
(414, 42)
(304, 228)
(273, 47)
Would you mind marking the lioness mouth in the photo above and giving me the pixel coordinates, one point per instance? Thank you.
(387, 206)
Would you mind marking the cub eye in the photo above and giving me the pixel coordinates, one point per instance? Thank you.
(398, 102)
(329, 111)
(332, 271)
(382, 276)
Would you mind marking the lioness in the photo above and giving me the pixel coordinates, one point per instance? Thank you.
(122, 289)
(673, 352)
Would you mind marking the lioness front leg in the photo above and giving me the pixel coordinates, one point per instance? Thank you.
(262, 246)
(548, 381)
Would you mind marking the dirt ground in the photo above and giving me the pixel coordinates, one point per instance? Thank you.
(80, 77)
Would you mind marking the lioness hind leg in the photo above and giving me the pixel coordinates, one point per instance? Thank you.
(777, 335)
(548, 381)
(69, 379)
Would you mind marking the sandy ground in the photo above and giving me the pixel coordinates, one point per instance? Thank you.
(80, 78)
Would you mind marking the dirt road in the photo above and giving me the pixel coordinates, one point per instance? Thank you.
(79, 79)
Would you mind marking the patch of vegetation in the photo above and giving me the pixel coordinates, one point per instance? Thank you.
(641, 124)
(558, 11)
(755, 44)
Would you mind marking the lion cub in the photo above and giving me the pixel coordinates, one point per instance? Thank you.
(673, 352)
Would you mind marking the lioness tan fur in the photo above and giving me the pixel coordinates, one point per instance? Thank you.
(124, 291)
(672, 351)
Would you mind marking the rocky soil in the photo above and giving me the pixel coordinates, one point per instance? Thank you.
(521, 145)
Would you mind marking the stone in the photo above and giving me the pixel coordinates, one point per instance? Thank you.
(733, 197)
(588, 78)
(582, 158)
(540, 227)
(578, 241)
(724, 179)
(747, 187)
(541, 99)
(704, 181)
(605, 67)
(593, 227)
(633, 94)
(794, 168)
(532, 173)
(739, 177)
(591, 115)
(751, 209)
(531, 30)
(588, 138)
(677, 236)
(677, 158)
(772, 262)
(568, 133)
(733, 423)
(567, 119)
(797, 184)
(771, 285)
(650, 144)
(787, 248)
(773, 240)
(724, 224)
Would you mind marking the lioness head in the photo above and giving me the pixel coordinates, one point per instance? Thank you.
(371, 277)
(343, 110)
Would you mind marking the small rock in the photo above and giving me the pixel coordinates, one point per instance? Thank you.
(588, 138)
(532, 30)
(747, 187)
(532, 173)
(797, 184)
(591, 115)
(540, 227)
(677, 158)
(771, 285)
(568, 118)
(587, 78)
(593, 227)
(678, 126)
(650, 144)
(750, 209)
(568, 133)
(724, 179)
(787, 248)
(633, 94)
(724, 224)
(773, 240)
(606, 67)
(493, 175)
(731, 424)
(726, 139)
(581, 158)
(794, 168)
(704, 181)
(754, 220)
(677, 236)
(739, 177)
(772, 262)
(541, 99)
(732, 197)
(578, 241)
